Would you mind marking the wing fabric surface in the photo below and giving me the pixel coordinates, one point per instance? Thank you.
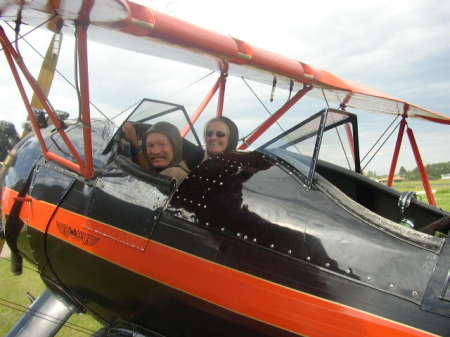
(128, 25)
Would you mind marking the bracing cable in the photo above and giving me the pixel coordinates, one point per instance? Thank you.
(381, 136)
(268, 112)
(190, 85)
(76, 73)
(171, 96)
(263, 105)
(22, 36)
(384, 142)
(338, 134)
(56, 70)
(19, 307)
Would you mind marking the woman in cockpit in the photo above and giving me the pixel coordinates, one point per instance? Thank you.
(221, 136)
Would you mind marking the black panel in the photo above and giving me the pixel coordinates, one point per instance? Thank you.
(28, 153)
(50, 183)
(248, 197)
(113, 293)
(437, 295)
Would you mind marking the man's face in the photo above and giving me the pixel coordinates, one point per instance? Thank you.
(217, 137)
(159, 150)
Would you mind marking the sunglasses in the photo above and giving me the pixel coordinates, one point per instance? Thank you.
(218, 134)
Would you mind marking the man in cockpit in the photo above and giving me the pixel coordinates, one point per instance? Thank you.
(161, 150)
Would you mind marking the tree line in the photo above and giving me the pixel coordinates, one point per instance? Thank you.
(434, 171)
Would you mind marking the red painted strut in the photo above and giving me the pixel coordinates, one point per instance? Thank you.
(272, 119)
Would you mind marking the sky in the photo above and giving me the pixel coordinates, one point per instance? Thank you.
(398, 47)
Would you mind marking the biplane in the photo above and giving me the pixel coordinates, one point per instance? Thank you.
(277, 241)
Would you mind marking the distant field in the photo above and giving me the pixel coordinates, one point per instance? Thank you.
(442, 188)
(13, 297)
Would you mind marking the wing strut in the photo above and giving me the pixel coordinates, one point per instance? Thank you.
(83, 167)
(272, 119)
(348, 130)
(220, 84)
(415, 148)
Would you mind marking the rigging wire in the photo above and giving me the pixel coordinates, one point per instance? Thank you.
(17, 29)
(390, 134)
(263, 105)
(189, 85)
(381, 136)
(170, 96)
(22, 36)
(21, 308)
(338, 134)
(270, 114)
(126, 109)
(56, 70)
(76, 73)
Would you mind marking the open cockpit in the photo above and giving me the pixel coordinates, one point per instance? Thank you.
(304, 152)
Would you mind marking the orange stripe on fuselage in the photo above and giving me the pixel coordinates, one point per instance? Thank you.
(245, 294)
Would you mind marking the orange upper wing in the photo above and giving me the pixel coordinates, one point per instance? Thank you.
(135, 27)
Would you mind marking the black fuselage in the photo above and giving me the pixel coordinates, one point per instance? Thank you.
(130, 247)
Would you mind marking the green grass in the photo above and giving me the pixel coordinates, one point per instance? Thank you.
(442, 188)
(14, 289)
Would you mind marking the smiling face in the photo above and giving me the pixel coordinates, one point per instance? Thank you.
(217, 136)
(159, 150)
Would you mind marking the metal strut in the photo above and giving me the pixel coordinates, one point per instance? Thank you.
(44, 318)
(219, 84)
(415, 149)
